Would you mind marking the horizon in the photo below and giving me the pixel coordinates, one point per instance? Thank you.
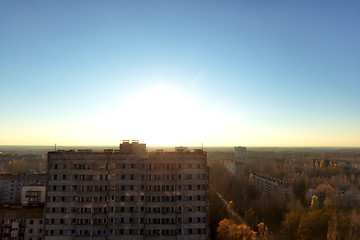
(261, 74)
(188, 146)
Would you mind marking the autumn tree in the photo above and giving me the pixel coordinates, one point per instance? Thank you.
(263, 231)
(314, 202)
(228, 230)
(250, 218)
(314, 224)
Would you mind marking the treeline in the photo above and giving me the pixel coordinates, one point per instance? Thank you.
(292, 217)
(22, 163)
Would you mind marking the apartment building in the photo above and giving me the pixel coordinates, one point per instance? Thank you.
(234, 167)
(269, 186)
(11, 185)
(240, 151)
(21, 223)
(127, 193)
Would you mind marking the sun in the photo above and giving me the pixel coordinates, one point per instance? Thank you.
(160, 116)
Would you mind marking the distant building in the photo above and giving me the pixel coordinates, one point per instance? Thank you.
(11, 185)
(355, 165)
(343, 163)
(240, 151)
(269, 186)
(33, 194)
(344, 198)
(127, 194)
(234, 167)
(21, 224)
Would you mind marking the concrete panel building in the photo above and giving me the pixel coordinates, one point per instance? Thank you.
(11, 185)
(269, 186)
(234, 167)
(240, 151)
(21, 223)
(127, 194)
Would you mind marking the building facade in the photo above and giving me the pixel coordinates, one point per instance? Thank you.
(240, 151)
(33, 194)
(271, 187)
(127, 194)
(234, 167)
(11, 185)
(21, 223)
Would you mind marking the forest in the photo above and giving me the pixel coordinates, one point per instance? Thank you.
(328, 214)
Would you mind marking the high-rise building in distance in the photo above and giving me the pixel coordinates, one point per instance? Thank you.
(234, 167)
(240, 151)
(127, 194)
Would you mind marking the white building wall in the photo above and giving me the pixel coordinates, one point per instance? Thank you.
(29, 193)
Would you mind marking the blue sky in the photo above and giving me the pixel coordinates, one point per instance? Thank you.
(256, 73)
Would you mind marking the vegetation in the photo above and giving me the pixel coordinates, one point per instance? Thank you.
(325, 215)
(22, 163)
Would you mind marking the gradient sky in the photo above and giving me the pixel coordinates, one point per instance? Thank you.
(222, 73)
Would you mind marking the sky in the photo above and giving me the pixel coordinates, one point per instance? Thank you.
(221, 73)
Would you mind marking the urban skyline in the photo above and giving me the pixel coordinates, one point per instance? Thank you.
(279, 74)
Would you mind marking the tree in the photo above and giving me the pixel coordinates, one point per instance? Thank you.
(317, 165)
(333, 232)
(227, 230)
(250, 218)
(263, 232)
(291, 222)
(314, 202)
(354, 232)
(314, 224)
